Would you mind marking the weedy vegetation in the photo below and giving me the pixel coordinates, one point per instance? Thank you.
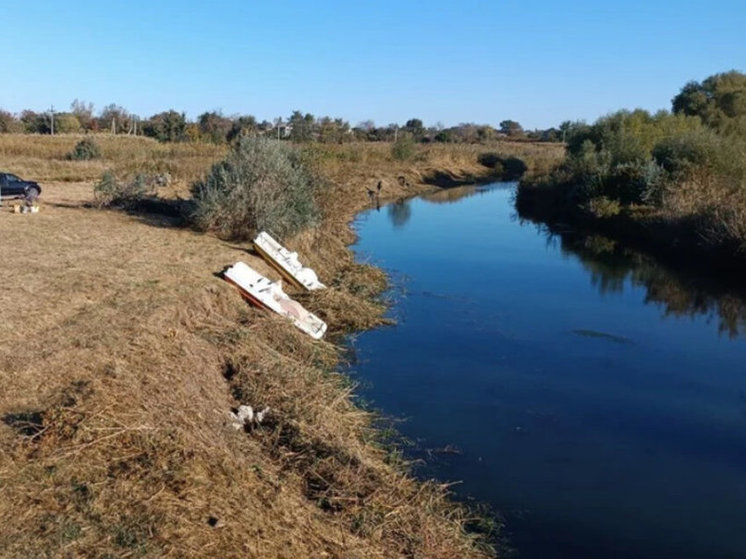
(674, 178)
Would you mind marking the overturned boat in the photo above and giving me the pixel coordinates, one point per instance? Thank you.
(269, 295)
(286, 263)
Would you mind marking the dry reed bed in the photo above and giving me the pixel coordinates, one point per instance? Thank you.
(44, 158)
(122, 355)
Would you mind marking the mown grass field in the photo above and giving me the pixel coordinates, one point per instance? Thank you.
(122, 355)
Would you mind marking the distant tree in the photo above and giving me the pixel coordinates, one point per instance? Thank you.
(114, 118)
(565, 128)
(84, 113)
(511, 128)
(486, 133)
(388, 133)
(550, 135)
(66, 123)
(466, 132)
(246, 126)
(9, 123)
(168, 126)
(278, 125)
(415, 127)
(302, 127)
(35, 123)
(445, 136)
(720, 101)
(192, 133)
(333, 131)
(214, 127)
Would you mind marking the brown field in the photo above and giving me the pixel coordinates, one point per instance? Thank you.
(122, 355)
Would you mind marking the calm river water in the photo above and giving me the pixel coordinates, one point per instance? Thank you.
(592, 397)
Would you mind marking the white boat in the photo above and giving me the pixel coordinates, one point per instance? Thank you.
(269, 295)
(286, 263)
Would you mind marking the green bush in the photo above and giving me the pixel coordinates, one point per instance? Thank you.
(489, 159)
(261, 185)
(403, 148)
(84, 150)
(679, 155)
(509, 167)
(111, 192)
(514, 168)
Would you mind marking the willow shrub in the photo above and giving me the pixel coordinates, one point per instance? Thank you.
(261, 185)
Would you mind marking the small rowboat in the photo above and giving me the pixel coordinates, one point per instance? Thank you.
(269, 295)
(286, 263)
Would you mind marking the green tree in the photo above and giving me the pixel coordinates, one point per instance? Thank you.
(244, 126)
(214, 127)
(36, 123)
(334, 131)
(84, 113)
(302, 127)
(720, 101)
(415, 127)
(511, 128)
(66, 123)
(9, 123)
(168, 126)
(115, 118)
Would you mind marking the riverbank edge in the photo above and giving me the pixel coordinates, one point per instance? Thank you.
(477, 532)
(674, 241)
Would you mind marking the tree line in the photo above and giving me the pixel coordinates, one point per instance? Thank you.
(215, 127)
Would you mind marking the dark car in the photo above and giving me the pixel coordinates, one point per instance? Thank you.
(12, 186)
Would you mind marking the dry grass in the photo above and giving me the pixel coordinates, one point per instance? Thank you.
(44, 158)
(122, 356)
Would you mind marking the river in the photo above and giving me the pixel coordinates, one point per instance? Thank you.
(592, 397)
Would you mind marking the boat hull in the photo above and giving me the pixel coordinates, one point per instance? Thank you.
(263, 293)
(286, 263)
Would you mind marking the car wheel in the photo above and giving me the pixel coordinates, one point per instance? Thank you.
(32, 194)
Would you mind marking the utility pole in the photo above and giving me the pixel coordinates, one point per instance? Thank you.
(51, 113)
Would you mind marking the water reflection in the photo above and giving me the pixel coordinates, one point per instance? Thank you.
(449, 195)
(400, 212)
(599, 428)
(611, 265)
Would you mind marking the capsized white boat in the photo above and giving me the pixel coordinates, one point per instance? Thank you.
(269, 294)
(286, 262)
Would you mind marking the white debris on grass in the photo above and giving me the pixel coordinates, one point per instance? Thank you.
(246, 416)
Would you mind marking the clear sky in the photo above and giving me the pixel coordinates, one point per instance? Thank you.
(537, 61)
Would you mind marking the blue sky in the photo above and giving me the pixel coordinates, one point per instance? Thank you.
(539, 62)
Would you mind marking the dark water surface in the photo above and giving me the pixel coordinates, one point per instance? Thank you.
(595, 399)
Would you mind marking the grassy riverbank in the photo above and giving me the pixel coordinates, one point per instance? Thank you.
(673, 184)
(123, 355)
(682, 238)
